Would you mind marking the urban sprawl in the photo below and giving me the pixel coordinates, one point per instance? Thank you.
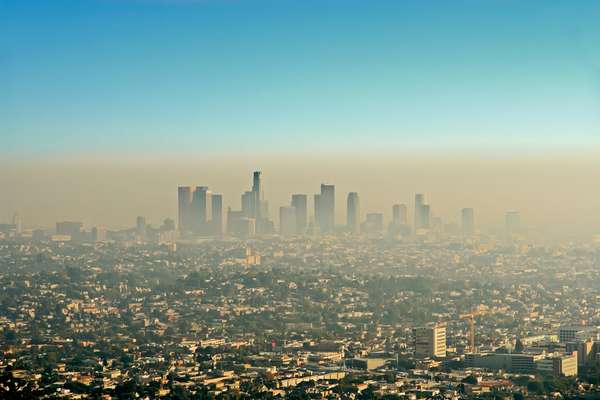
(226, 305)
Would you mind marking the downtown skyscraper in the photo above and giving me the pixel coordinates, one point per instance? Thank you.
(422, 212)
(353, 212)
(468, 221)
(300, 204)
(200, 212)
(325, 209)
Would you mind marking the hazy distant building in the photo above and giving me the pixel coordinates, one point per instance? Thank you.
(38, 235)
(69, 228)
(399, 214)
(239, 225)
(99, 234)
(217, 214)
(184, 197)
(430, 341)
(257, 191)
(200, 210)
(140, 227)
(422, 212)
(254, 205)
(373, 223)
(513, 222)
(353, 212)
(17, 223)
(248, 207)
(287, 221)
(168, 225)
(300, 204)
(399, 225)
(426, 216)
(325, 209)
(468, 221)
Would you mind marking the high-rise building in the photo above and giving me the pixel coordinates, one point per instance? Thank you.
(217, 214)
(299, 202)
(326, 204)
(248, 204)
(257, 190)
(468, 221)
(430, 341)
(425, 216)
(419, 203)
(200, 210)
(318, 211)
(353, 212)
(399, 225)
(184, 197)
(255, 206)
(399, 214)
(287, 221)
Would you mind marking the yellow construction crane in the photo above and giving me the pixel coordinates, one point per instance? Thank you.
(471, 317)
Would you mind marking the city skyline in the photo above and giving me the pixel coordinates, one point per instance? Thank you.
(300, 199)
(450, 186)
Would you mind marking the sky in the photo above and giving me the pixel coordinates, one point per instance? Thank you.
(183, 76)
(493, 104)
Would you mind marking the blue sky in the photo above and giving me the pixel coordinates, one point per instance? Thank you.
(170, 76)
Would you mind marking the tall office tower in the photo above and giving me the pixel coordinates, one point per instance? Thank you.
(399, 225)
(299, 202)
(263, 209)
(396, 214)
(326, 219)
(217, 214)
(140, 227)
(257, 189)
(399, 214)
(318, 212)
(184, 197)
(513, 222)
(419, 203)
(425, 216)
(248, 207)
(287, 221)
(200, 210)
(352, 212)
(430, 341)
(255, 206)
(17, 223)
(468, 221)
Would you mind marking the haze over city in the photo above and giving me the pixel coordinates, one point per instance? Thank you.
(133, 98)
(554, 193)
